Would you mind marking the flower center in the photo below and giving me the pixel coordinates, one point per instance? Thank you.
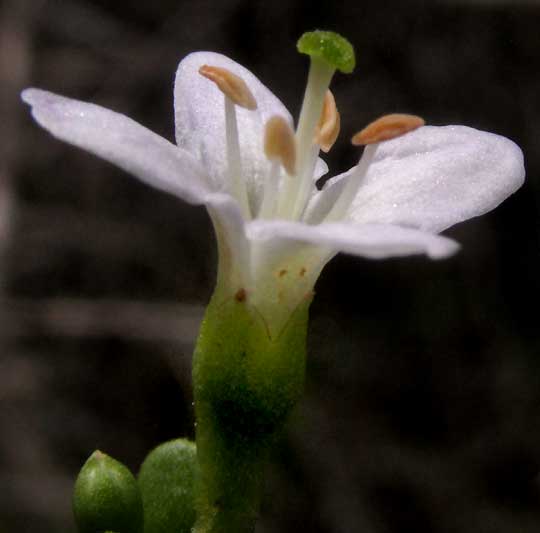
(297, 189)
(286, 195)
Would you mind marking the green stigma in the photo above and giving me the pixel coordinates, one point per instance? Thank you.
(330, 47)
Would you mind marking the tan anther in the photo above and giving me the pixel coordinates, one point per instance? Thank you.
(231, 85)
(386, 128)
(327, 129)
(279, 143)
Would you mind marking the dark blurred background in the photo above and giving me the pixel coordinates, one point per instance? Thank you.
(422, 409)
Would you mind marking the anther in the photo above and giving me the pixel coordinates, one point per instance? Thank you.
(279, 143)
(230, 85)
(328, 127)
(386, 128)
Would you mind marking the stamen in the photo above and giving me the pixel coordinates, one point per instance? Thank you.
(327, 129)
(236, 93)
(386, 128)
(230, 85)
(280, 148)
(383, 129)
(279, 143)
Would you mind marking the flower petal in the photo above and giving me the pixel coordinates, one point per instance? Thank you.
(322, 201)
(233, 247)
(435, 177)
(374, 241)
(321, 168)
(121, 141)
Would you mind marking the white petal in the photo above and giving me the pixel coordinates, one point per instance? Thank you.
(200, 120)
(120, 140)
(435, 177)
(321, 168)
(375, 241)
(322, 201)
(232, 243)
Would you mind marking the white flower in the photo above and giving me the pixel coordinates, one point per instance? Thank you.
(276, 231)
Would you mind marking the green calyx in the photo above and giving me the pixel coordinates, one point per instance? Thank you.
(329, 46)
(245, 385)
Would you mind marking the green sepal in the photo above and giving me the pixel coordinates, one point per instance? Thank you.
(166, 481)
(106, 497)
(329, 46)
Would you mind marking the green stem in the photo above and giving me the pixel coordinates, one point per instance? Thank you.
(231, 476)
(245, 385)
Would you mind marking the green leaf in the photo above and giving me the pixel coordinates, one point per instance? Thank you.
(166, 482)
(106, 497)
(330, 47)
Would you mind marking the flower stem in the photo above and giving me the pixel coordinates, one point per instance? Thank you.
(229, 487)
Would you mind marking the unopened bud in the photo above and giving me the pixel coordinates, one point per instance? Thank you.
(106, 497)
(166, 481)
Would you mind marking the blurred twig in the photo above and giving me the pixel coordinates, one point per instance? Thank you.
(15, 22)
(134, 320)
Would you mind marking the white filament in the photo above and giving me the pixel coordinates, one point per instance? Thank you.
(271, 190)
(234, 162)
(350, 189)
